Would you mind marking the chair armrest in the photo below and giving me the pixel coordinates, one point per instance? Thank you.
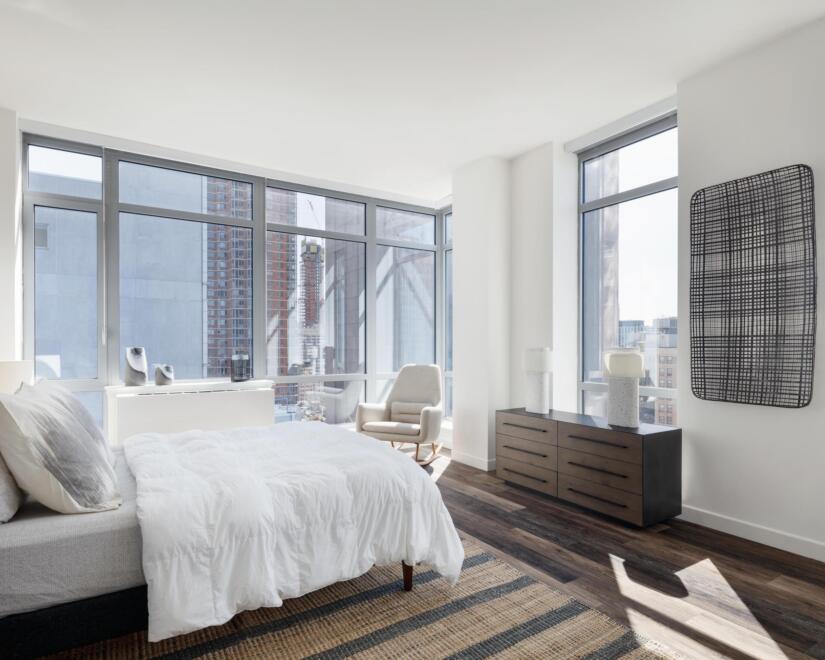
(369, 412)
(431, 423)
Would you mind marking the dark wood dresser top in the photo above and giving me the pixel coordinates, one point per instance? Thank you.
(593, 422)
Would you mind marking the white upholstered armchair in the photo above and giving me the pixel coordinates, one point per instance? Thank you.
(412, 412)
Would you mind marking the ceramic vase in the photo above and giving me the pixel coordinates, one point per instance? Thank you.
(137, 370)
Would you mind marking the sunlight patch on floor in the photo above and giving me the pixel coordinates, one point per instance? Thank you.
(706, 589)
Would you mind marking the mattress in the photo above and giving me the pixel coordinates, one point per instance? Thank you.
(48, 558)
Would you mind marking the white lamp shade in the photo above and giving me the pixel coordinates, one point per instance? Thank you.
(15, 372)
(624, 364)
(538, 360)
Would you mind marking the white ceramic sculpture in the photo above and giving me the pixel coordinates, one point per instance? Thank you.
(623, 369)
(538, 368)
(137, 370)
(164, 374)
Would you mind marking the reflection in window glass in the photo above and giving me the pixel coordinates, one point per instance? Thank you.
(637, 164)
(64, 172)
(448, 308)
(404, 225)
(185, 293)
(337, 400)
(629, 285)
(652, 410)
(448, 227)
(184, 191)
(287, 207)
(448, 396)
(405, 290)
(315, 305)
(382, 389)
(65, 293)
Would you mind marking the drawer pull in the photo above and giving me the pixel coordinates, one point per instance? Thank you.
(526, 451)
(595, 469)
(521, 426)
(598, 442)
(596, 497)
(529, 476)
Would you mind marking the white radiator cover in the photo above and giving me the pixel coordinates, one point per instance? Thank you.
(204, 405)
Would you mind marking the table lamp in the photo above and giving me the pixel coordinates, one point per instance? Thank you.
(15, 372)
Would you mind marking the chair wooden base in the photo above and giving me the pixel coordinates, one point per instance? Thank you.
(435, 448)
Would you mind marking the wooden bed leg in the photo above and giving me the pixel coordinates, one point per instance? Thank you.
(408, 576)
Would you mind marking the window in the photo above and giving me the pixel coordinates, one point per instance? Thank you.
(405, 292)
(448, 314)
(315, 311)
(65, 294)
(287, 207)
(64, 172)
(196, 264)
(174, 299)
(178, 190)
(629, 226)
(404, 225)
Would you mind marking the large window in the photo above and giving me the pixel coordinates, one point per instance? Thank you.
(329, 293)
(629, 219)
(448, 313)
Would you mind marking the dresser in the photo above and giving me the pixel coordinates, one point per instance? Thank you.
(631, 474)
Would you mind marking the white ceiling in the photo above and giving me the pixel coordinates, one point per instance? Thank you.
(383, 94)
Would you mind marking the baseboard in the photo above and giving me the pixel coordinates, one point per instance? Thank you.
(778, 539)
(486, 464)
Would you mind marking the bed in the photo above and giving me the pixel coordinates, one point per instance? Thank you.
(224, 521)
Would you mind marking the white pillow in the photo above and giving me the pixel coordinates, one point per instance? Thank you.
(52, 454)
(10, 495)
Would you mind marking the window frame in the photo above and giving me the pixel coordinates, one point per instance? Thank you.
(625, 139)
(109, 208)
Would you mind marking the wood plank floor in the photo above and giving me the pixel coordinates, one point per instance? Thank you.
(702, 592)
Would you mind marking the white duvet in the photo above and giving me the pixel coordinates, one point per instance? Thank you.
(240, 519)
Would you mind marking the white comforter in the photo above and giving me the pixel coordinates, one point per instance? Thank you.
(240, 519)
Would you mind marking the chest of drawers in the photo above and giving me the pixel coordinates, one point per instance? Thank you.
(631, 474)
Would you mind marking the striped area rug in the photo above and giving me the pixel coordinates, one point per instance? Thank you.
(494, 610)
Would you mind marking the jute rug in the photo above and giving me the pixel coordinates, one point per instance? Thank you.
(494, 610)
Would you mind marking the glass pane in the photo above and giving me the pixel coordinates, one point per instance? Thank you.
(448, 396)
(315, 305)
(65, 293)
(382, 389)
(629, 284)
(65, 172)
(448, 308)
(94, 404)
(185, 293)
(448, 227)
(287, 207)
(637, 164)
(404, 225)
(335, 401)
(652, 410)
(405, 288)
(184, 191)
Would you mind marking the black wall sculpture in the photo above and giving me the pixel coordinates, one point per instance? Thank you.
(753, 289)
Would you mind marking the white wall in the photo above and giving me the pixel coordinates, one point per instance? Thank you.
(11, 239)
(481, 285)
(754, 471)
(531, 260)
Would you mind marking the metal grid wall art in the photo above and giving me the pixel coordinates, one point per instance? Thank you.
(753, 289)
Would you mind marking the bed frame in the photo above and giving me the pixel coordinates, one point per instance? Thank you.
(67, 626)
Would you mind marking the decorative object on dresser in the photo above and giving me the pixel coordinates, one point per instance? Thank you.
(136, 371)
(240, 369)
(164, 374)
(204, 405)
(753, 289)
(538, 369)
(623, 368)
(631, 474)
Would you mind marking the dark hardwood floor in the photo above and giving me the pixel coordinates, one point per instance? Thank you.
(702, 592)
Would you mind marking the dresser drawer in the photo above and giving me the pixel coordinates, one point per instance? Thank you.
(524, 426)
(601, 442)
(613, 502)
(527, 475)
(598, 469)
(535, 453)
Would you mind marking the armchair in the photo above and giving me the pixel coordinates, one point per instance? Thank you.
(411, 414)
